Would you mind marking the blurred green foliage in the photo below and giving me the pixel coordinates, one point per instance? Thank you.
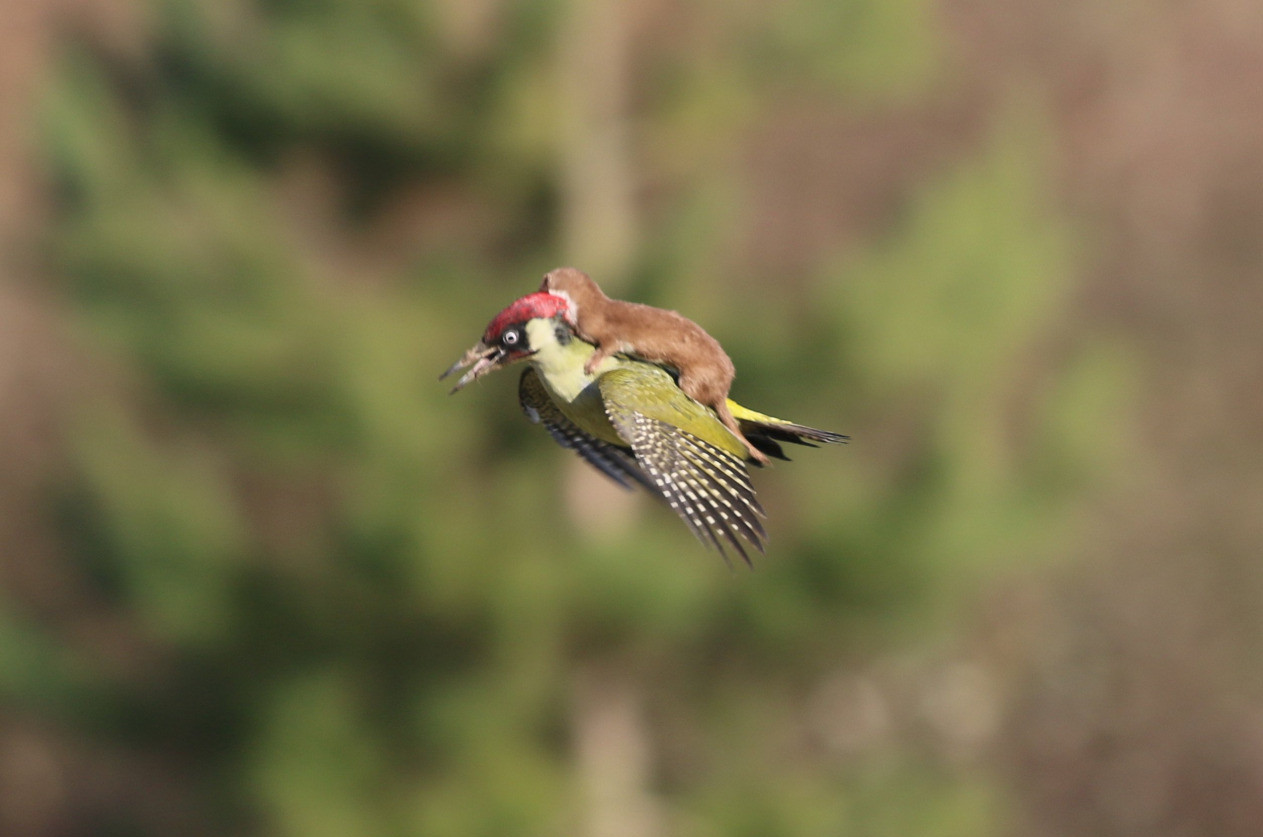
(369, 600)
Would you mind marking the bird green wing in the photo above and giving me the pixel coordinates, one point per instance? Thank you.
(707, 485)
(655, 394)
(616, 463)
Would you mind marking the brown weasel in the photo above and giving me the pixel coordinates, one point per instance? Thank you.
(654, 334)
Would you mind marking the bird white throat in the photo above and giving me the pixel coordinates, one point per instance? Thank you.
(555, 360)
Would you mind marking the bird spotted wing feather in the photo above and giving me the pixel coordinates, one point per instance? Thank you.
(709, 488)
(614, 462)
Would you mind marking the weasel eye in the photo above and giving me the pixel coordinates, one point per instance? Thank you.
(511, 337)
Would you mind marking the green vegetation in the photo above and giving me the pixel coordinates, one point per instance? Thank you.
(371, 606)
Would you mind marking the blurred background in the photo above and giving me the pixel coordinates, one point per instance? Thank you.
(260, 575)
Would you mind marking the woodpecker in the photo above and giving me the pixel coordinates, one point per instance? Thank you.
(631, 420)
(704, 370)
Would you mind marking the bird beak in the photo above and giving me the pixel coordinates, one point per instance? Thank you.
(483, 359)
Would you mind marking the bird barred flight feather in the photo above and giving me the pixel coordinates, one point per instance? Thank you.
(616, 463)
(708, 487)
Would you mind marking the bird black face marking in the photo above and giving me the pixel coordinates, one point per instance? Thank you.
(563, 333)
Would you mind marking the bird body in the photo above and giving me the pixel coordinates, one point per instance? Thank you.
(562, 364)
(630, 419)
(705, 372)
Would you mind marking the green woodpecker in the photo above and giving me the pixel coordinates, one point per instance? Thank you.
(631, 420)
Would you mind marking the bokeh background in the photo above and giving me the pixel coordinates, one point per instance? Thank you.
(261, 576)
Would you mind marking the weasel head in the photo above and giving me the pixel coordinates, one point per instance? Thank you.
(575, 287)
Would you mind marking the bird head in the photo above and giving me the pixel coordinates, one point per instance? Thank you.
(506, 340)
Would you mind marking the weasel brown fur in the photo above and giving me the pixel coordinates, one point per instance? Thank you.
(654, 334)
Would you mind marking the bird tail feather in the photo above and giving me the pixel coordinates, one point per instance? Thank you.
(766, 432)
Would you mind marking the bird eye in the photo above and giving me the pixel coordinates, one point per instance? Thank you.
(510, 338)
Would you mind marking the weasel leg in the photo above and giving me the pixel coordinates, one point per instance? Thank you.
(725, 415)
(598, 356)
